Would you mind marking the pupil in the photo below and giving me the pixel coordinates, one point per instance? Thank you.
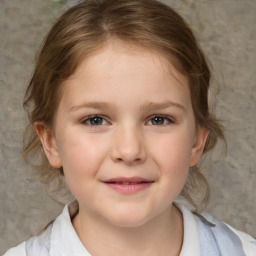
(96, 120)
(158, 120)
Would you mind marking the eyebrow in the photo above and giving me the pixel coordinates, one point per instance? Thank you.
(148, 106)
(94, 105)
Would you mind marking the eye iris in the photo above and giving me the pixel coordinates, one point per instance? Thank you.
(96, 120)
(158, 120)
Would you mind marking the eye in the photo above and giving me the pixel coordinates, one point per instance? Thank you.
(95, 121)
(160, 120)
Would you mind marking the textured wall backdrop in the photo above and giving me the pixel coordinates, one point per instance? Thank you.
(227, 32)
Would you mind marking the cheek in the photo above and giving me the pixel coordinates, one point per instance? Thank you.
(81, 158)
(172, 156)
(172, 152)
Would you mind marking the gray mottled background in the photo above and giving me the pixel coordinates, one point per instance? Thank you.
(227, 32)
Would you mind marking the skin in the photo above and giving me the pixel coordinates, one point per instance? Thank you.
(145, 128)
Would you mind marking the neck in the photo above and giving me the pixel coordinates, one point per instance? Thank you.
(162, 235)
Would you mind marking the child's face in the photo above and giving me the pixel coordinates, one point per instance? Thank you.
(125, 135)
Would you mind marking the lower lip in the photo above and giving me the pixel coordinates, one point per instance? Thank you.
(129, 189)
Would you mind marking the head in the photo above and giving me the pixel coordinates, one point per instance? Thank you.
(88, 27)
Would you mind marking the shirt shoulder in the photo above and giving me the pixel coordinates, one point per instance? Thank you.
(248, 242)
(18, 250)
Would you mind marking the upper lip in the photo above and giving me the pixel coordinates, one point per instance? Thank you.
(127, 180)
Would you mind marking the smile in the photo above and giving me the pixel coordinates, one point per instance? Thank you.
(128, 185)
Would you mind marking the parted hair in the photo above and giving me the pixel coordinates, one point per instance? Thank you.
(86, 27)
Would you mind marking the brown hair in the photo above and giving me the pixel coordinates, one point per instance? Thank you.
(87, 26)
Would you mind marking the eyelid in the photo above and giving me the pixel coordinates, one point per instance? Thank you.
(170, 119)
(86, 119)
(167, 118)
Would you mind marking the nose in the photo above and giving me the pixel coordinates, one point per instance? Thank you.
(129, 146)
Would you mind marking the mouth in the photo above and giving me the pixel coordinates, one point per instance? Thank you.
(128, 185)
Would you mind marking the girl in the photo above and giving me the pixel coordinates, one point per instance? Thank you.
(118, 103)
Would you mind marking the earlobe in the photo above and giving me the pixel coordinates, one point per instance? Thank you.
(198, 147)
(49, 144)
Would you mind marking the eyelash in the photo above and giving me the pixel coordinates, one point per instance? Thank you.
(90, 119)
(166, 120)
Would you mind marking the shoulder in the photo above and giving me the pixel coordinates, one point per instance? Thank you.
(59, 238)
(37, 244)
(214, 237)
(228, 237)
(248, 242)
(18, 250)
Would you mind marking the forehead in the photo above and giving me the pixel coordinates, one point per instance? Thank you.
(125, 67)
(117, 52)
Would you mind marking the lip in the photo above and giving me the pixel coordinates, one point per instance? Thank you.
(128, 185)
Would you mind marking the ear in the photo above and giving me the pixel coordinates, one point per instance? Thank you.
(49, 144)
(199, 143)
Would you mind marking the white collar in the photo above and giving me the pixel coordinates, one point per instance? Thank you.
(191, 241)
(65, 241)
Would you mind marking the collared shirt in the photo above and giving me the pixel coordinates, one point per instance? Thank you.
(64, 240)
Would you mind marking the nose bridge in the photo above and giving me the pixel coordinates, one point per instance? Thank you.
(129, 144)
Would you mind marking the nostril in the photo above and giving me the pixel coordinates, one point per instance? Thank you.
(137, 160)
(126, 159)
